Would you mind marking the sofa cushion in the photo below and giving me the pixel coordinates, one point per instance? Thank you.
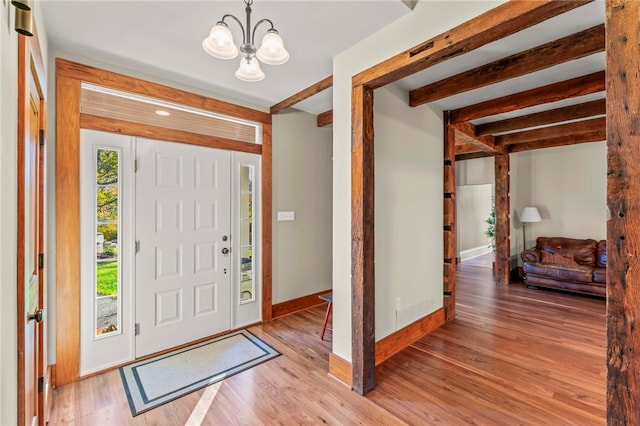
(559, 259)
(577, 273)
(600, 275)
(601, 253)
(584, 251)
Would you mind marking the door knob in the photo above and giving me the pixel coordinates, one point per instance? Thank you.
(225, 250)
(38, 316)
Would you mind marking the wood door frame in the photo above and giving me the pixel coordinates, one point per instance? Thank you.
(69, 120)
(30, 65)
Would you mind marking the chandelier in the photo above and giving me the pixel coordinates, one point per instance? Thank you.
(220, 45)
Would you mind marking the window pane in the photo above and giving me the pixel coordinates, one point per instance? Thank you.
(247, 289)
(107, 282)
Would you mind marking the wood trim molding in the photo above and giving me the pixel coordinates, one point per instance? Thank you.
(495, 24)
(299, 304)
(69, 76)
(325, 118)
(579, 86)
(267, 222)
(127, 83)
(623, 200)
(111, 125)
(556, 52)
(67, 229)
(340, 369)
(303, 94)
(403, 338)
(388, 346)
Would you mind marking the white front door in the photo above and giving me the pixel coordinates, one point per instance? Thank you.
(183, 224)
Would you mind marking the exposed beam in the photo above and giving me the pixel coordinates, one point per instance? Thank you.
(449, 219)
(495, 24)
(558, 115)
(568, 129)
(568, 48)
(503, 223)
(468, 147)
(363, 338)
(472, 156)
(302, 95)
(623, 202)
(325, 118)
(467, 133)
(593, 136)
(579, 86)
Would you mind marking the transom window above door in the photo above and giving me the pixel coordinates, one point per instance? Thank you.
(118, 105)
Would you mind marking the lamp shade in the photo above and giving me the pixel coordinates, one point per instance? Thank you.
(249, 70)
(272, 51)
(530, 214)
(220, 42)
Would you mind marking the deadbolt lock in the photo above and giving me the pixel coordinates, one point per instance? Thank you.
(38, 316)
(225, 238)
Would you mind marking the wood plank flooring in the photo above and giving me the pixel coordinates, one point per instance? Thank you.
(512, 356)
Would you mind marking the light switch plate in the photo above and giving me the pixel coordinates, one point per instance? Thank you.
(283, 216)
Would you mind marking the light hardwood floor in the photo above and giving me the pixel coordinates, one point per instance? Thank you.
(512, 356)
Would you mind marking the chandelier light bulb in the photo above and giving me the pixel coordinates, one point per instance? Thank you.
(249, 70)
(272, 51)
(220, 42)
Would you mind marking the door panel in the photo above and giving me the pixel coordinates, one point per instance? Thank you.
(31, 353)
(182, 216)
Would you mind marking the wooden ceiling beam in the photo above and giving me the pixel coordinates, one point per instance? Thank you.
(466, 147)
(558, 115)
(325, 118)
(472, 155)
(578, 86)
(576, 128)
(495, 24)
(566, 49)
(466, 133)
(302, 95)
(593, 136)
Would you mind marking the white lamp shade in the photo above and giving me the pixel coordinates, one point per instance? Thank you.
(272, 51)
(220, 43)
(530, 214)
(249, 70)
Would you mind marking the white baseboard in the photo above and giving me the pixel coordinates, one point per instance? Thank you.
(474, 252)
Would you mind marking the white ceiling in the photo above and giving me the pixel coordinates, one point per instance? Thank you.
(163, 38)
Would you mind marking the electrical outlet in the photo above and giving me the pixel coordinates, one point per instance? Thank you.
(397, 303)
(285, 216)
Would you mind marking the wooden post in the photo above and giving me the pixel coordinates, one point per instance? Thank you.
(503, 251)
(623, 199)
(449, 219)
(363, 338)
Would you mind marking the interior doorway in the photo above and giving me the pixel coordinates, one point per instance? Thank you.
(474, 206)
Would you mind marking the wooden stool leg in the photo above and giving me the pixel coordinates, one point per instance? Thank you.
(326, 319)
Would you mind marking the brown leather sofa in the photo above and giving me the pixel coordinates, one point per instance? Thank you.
(567, 264)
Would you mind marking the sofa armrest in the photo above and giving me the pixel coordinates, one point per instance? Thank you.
(530, 255)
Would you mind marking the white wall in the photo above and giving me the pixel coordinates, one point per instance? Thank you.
(473, 206)
(8, 212)
(569, 188)
(408, 210)
(302, 176)
(429, 18)
(477, 171)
